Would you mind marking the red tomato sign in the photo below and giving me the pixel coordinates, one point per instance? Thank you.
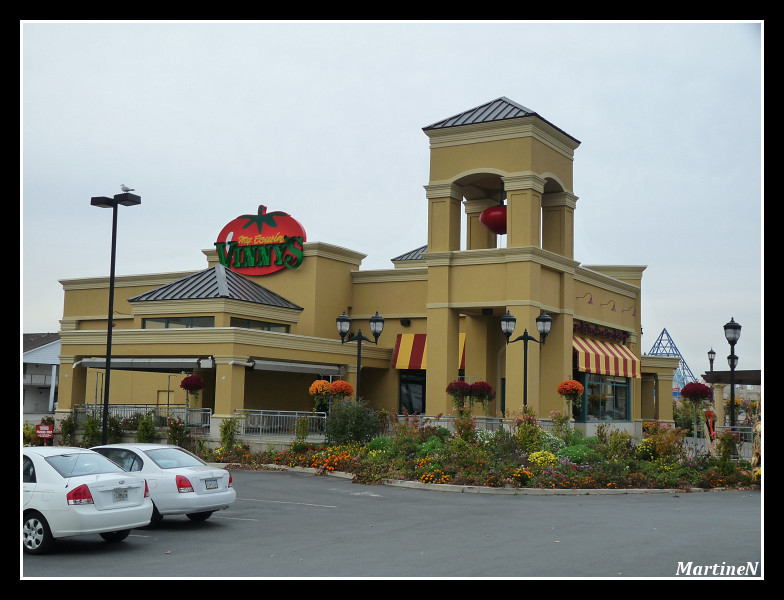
(261, 244)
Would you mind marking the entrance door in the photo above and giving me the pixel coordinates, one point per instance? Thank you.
(412, 392)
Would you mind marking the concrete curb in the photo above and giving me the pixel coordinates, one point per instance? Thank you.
(478, 489)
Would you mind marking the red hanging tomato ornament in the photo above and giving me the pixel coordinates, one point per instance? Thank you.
(494, 218)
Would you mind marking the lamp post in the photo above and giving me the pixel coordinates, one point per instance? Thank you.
(711, 356)
(543, 323)
(126, 199)
(732, 333)
(376, 327)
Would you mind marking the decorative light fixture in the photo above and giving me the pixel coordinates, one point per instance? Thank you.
(634, 314)
(126, 199)
(590, 297)
(543, 324)
(376, 327)
(711, 357)
(732, 333)
(608, 303)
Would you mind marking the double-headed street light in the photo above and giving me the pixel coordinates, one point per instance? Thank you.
(126, 199)
(543, 324)
(376, 327)
(732, 333)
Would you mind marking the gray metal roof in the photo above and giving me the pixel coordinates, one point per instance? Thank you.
(499, 109)
(215, 282)
(413, 254)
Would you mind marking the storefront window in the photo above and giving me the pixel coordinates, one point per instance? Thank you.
(260, 325)
(177, 322)
(606, 398)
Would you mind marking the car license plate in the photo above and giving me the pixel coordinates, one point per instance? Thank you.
(211, 484)
(120, 495)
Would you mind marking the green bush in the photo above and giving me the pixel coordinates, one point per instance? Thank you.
(350, 421)
(579, 454)
(91, 434)
(145, 429)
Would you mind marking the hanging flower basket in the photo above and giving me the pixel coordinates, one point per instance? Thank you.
(192, 385)
(572, 391)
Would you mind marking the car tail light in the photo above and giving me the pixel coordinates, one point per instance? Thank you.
(146, 490)
(80, 495)
(231, 484)
(183, 485)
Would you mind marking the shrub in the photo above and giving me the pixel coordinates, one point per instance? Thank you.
(145, 430)
(177, 433)
(350, 421)
(68, 431)
(228, 432)
(542, 459)
(579, 454)
(91, 434)
(551, 442)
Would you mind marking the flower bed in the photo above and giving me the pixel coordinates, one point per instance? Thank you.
(416, 451)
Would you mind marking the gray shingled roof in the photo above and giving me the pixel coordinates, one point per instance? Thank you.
(215, 282)
(499, 109)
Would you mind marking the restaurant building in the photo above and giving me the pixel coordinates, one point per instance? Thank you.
(258, 324)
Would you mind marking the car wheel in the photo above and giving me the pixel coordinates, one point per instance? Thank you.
(199, 516)
(115, 536)
(156, 516)
(36, 536)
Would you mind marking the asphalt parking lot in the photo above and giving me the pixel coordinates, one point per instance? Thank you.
(288, 524)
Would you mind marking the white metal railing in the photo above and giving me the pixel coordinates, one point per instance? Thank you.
(256, 423)
(192, 417)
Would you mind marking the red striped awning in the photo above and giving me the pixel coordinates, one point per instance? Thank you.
(411, 351)
(605, 358)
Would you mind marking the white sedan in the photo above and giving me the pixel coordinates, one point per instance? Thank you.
(180, 482)
(75, 491)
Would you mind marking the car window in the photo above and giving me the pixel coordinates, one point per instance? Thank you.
(74, 464)
(28, 470)
(127, 459)
(170, 458)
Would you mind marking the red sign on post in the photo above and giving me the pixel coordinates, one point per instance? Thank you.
(44, 431)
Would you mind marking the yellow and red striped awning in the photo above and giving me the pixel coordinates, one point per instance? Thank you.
(605, 358)
(411, 351)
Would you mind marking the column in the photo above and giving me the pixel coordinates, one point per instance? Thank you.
(558, 223)
(523, 209)
(443, 217)
(229, 385)
(443, 342)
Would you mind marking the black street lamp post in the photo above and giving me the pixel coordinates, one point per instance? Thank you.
(732, 333)
(376, 327)
(543, 323)
(711, 357)
(126, 199)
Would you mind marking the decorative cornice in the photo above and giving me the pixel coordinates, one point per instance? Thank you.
(504, 130)
(526, 180)
(153, 280)
(222, 335)
(443, 189)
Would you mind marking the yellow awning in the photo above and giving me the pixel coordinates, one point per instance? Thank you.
(411, 351)
(605, 358)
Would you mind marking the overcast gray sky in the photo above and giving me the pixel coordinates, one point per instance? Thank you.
(324, 121)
